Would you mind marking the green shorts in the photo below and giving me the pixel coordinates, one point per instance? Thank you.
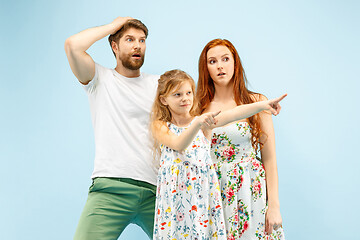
(114, 203)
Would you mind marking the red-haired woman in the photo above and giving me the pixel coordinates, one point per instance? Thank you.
(250, 201)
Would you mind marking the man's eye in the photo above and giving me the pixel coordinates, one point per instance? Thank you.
(129, 39)
(142, 40)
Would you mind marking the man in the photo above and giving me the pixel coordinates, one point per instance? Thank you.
(124, 178)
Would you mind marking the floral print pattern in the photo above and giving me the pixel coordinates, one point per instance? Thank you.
(242, 182)
(227, 153)
(188, 200)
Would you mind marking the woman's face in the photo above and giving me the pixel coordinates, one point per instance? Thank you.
(220, 63)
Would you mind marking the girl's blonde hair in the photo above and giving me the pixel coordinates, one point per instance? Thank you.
(169, 82)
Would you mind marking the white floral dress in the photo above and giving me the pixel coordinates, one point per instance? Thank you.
(188, 200)
(242, 182)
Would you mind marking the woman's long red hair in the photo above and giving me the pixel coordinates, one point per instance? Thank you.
(206, 89)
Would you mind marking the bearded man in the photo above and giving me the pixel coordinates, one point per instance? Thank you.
(123, 190)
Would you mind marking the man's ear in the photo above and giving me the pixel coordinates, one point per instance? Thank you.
(114, 46)
(163, 101)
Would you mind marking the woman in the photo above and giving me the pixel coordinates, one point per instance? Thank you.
(250, 201)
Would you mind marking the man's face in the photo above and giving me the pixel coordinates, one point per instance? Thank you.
(130, 50)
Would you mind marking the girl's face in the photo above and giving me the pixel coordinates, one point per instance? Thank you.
(220, 63)
(179, 101)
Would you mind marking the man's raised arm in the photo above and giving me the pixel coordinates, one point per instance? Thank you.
(81, 63)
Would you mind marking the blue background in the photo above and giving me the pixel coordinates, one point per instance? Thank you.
(308, 49)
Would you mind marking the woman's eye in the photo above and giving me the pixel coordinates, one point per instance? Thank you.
(226, 59)
(212, 61)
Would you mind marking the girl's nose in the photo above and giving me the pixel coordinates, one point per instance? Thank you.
(184, 98)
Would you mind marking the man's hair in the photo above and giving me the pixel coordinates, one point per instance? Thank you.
(132, 23)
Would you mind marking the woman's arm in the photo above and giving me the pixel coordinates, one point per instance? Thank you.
(268, 156)
(248, 110)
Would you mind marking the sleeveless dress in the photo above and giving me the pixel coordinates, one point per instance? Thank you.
(188, 200)
(242, 182)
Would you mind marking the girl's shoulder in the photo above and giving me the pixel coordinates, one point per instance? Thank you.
(160, 123)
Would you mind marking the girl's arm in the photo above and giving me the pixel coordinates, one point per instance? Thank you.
(163, 135)
(247, 110)
(268, 155)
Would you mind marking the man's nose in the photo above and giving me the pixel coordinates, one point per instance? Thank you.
(137, 45)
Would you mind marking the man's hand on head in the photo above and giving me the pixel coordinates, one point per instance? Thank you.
(119, 22)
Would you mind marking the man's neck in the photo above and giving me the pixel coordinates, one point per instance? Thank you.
(127, 72)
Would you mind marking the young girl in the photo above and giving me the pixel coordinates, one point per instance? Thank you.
(188, 203)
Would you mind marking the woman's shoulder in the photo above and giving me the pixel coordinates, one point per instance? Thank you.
(257, 97)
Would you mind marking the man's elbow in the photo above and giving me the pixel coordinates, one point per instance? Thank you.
(69, 45)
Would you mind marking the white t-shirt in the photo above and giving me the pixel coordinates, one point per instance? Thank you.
(120, 109)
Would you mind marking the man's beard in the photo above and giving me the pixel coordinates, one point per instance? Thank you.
(130, 63)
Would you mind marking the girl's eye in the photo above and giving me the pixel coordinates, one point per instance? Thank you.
(188, 93)
(177, 94)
